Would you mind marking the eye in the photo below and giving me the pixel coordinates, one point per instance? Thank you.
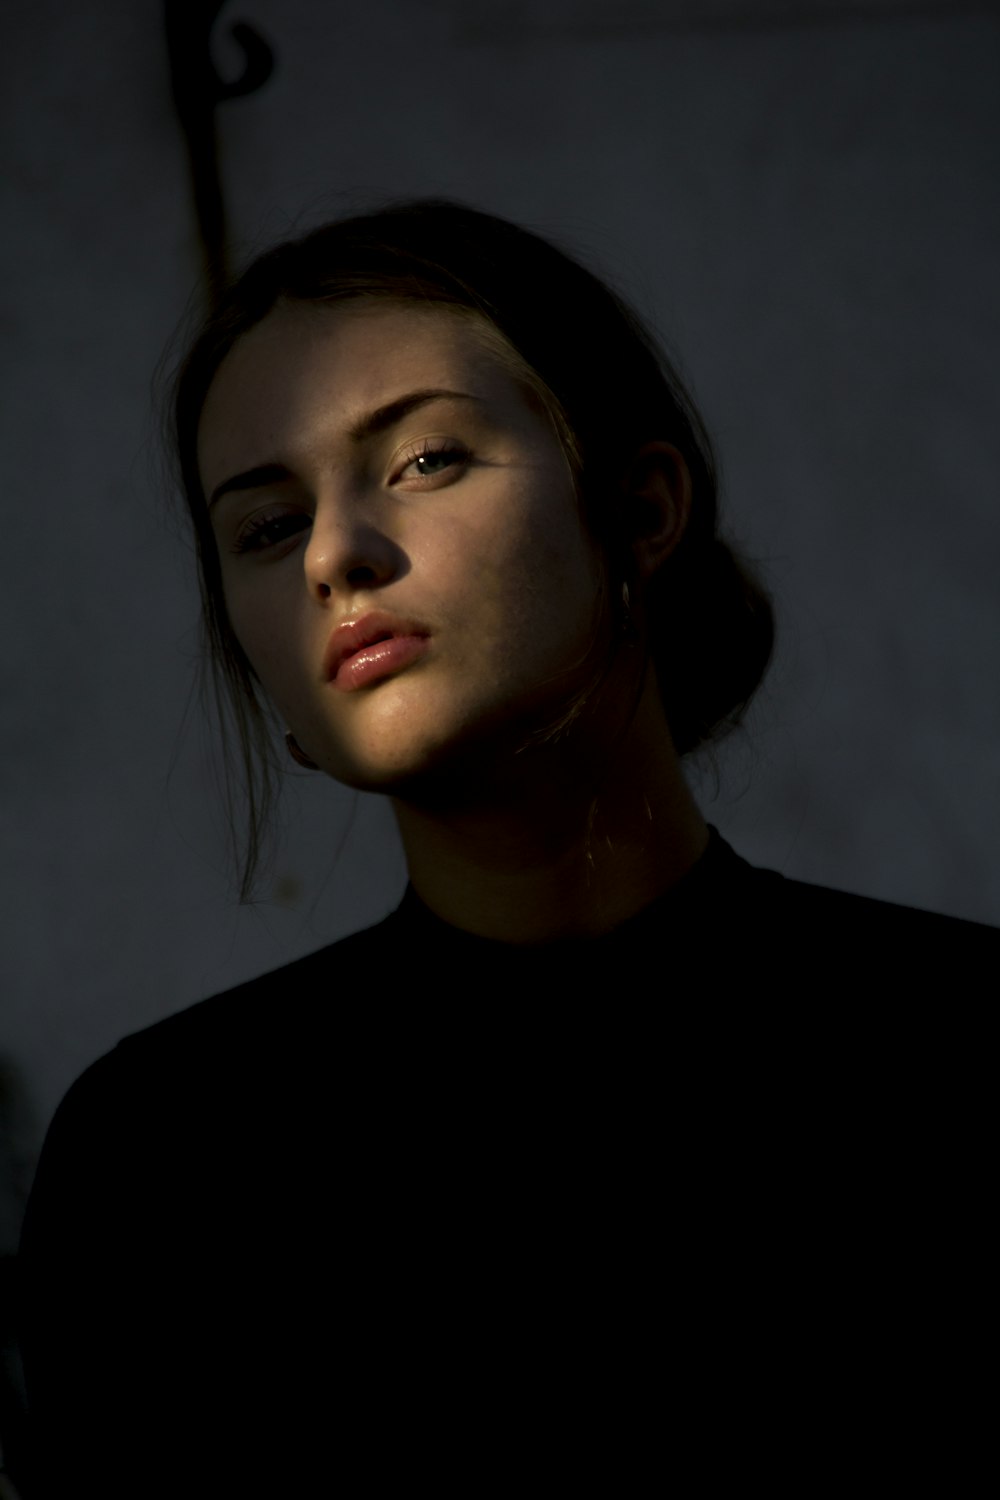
(269, 529)
(432, 457)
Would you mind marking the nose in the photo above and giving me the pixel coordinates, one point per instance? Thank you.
(347, 553)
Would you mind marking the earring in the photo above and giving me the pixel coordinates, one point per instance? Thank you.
(628, 625)
(297, 753)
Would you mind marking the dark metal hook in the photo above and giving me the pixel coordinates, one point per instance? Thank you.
(194, 76)
(258, 67)
(197, 91)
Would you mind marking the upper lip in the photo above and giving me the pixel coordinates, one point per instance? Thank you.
(352, 636)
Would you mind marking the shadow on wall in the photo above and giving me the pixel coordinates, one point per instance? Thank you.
(16, 1167)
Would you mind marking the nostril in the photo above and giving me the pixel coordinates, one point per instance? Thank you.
(357, 577)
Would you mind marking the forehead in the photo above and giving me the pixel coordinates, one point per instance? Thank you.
(329, 364)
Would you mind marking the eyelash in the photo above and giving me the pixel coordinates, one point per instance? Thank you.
(250, 537)
(427, 449)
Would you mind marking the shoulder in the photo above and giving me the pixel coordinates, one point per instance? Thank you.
(865, 916)
(254, 1039)
(300, 995)
(172, 1111)
(751, 934)
(782, 907)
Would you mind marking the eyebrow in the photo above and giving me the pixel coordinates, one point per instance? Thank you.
(379, 420)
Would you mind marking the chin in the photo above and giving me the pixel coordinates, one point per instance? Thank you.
(444, 752)
(392, 771)
(433, 770)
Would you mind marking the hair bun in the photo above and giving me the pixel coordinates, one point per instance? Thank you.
(712, 639)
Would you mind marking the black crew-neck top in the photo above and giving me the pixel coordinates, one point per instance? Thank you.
(702, 1200)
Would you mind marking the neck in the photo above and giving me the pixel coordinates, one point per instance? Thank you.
(558, 847)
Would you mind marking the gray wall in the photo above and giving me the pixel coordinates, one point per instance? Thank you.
(802, 198)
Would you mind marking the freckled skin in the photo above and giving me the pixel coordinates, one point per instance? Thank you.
(488, 554)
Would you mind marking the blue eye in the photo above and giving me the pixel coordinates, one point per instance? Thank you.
(429, 461)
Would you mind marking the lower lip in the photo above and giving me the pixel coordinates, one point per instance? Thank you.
(380, 660)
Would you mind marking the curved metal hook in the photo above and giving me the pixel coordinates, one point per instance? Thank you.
(195, 78)
(258, 63)
(198, 90)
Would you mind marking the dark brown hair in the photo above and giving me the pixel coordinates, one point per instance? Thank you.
(608, 389)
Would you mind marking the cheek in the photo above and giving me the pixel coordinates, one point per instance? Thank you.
(527, 553)
(262, 628)
(558, 573)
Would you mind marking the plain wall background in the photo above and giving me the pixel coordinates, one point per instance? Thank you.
(801, 197)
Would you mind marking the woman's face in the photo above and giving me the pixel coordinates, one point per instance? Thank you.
(406, 571)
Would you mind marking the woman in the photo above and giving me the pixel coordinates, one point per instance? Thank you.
(550, 1173)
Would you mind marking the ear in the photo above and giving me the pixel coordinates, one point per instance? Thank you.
(657, 500)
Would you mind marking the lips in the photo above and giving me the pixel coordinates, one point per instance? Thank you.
(357, 642)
